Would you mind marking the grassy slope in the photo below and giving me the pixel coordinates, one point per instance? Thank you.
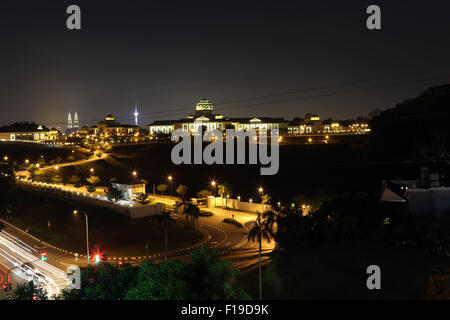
(339, 272)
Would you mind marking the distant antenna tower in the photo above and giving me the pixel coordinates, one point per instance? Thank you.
(76, 124)
(135, 115)
(69, 122)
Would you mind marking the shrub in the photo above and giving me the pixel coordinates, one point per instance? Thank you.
(233, 221)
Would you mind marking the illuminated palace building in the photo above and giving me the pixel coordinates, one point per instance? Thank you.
(32, 132)
(109, 126)
(204, 114)
(311, 124)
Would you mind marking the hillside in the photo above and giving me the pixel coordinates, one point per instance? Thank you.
(416, 129)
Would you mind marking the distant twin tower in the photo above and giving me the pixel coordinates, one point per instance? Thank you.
(73, 125)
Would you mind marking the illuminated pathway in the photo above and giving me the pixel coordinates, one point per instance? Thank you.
(93, 158)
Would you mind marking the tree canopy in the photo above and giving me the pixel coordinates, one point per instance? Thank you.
(114, 193)
(206, 277)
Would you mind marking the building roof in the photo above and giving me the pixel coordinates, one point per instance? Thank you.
(163, 122)
(130, 181)
(263, 120)
(23, 127)
(392, 193)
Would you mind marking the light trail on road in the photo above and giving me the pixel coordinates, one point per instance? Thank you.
(17, 252)
(18, 242)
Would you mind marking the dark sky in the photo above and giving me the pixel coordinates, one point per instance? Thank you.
(298, 57)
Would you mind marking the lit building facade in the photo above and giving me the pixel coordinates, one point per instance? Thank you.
(39, 135)
(205, 118)
(110, 126)
(312, 125)
(130, 189)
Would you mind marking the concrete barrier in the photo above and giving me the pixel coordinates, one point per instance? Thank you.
(237, 204)
(127, 208)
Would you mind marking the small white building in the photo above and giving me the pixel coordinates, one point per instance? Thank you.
(130, 188)
(423, 196)
(432, 201)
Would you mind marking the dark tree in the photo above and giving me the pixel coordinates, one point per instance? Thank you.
(113, 193)
(29, 291)
(165, 220)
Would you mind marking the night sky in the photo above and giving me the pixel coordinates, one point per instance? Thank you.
(292, 56)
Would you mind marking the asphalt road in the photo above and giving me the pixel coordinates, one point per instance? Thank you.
(17, 249)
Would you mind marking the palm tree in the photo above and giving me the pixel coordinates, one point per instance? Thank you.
(165, 220)
(93, 181)
(223, 190)
(260, 230)
(142, 198)
(270, 218)
(192, 211)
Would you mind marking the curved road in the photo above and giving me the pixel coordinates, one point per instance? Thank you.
(17, 247)
(14, 252)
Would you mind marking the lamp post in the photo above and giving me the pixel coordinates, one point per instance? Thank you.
(87, 233)
(213, 185)
(7, 273)
(7, 277)
(261, 191)
(170, 180)
(259, 255)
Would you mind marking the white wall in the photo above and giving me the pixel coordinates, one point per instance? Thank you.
(434, 201)
(134, 211)
(237, 204)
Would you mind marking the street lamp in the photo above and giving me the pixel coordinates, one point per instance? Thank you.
(92, 170)
(261, 191)
(87, 233)
(15, 267)
(213, 185)
(170, 180)
(134, 173)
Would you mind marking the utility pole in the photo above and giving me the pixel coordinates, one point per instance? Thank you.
(87, 234)
(259, 255)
